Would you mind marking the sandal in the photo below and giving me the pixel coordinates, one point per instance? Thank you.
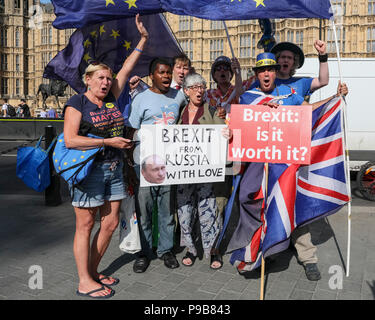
(190, 256)
(216, 258)
(89, 294)
(103, 277)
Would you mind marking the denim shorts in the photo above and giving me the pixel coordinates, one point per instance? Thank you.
(101, 184)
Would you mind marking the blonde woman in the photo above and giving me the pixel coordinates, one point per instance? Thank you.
(96, 111)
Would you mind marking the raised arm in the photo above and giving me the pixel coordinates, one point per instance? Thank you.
(342, 90)
(123, 75)
(236, 68)
(323, 78)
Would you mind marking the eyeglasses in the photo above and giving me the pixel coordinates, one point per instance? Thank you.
(196, 88)
(222, 67)
(94, 62)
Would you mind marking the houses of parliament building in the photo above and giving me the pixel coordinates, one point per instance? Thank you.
(28, 41)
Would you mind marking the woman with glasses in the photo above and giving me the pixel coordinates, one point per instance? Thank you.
(96, 111)
(197, 201)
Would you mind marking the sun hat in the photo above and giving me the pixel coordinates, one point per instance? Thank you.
(290, 47)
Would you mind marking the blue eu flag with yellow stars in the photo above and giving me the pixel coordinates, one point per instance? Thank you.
(111, 42)
(80, 13)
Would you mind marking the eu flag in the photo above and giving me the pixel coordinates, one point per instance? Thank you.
(70, 13)
(111, 42)
(249, 9)
(79, 13)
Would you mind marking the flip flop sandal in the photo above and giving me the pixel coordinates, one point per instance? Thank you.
(89, 294)
(216, 258)
(190, 256)
(115, 281)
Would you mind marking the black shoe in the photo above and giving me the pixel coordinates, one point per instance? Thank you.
(141, 264)
(312, 272)
(170, 260)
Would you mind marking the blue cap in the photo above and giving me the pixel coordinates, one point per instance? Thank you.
(266, 59)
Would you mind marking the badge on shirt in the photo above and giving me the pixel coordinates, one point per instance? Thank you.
(109, 105)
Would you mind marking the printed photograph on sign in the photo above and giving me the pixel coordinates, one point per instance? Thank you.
(181, 154)
(273, 135)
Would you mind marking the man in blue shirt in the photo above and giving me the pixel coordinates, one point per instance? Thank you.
(290, 57)
(159, 104)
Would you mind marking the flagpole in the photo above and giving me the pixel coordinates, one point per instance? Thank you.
(230, 43)
(345, 145)
(263, 266)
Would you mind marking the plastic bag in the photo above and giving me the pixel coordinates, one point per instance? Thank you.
(130, 241)
(33, 166)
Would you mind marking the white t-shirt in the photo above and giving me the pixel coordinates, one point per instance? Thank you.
(43, 114)
(4, 107)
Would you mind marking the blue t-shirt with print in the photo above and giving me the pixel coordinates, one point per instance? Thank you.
(282, 94)
(107, 118)
(152, 108)
(301, 85)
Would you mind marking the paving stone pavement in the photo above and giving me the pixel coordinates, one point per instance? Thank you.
(36, 238)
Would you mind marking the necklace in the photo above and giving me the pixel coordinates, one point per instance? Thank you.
(190, 109)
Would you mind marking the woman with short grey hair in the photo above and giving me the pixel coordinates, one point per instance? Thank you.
(198, 201)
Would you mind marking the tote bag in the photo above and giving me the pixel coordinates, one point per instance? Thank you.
(33, 166)
(73, 165)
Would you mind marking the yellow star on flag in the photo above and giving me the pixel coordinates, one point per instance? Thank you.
(233, 0)
(87, 43)
(259, 2)
(107, 2)
(94, 34)
(115, 34)
(87, 57)
(126, 44)
(101, 29)
(131, 3)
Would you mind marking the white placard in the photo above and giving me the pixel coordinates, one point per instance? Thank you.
(181, 154)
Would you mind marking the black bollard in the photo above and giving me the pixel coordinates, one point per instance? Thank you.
(52, 194)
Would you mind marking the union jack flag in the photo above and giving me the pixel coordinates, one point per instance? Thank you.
(166, 118)
(298, 194)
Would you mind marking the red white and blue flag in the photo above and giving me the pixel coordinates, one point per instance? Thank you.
(297, 194)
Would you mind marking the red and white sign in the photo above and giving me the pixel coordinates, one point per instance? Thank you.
(274, 135)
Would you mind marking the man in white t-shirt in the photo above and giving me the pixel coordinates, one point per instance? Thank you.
(4, 108)
(43, 114)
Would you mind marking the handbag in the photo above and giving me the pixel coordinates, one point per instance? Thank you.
(130, 241)
(73, 165)
(33, 166)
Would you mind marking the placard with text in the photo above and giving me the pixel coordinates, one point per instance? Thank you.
(181, 154)
(273, 135)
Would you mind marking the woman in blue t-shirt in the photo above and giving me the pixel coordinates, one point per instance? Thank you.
(103, 189)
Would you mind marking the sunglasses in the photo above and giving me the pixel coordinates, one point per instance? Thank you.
(222, 67)
(93, 62)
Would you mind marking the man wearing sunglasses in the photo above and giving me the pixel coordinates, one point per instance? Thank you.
(222, 71)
